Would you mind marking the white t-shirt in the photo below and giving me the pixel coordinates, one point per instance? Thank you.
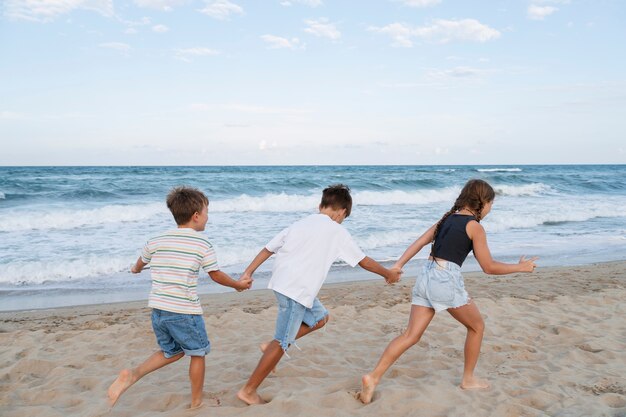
(304, 253)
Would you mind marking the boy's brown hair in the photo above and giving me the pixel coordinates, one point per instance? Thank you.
(184, 202)
(337, 196)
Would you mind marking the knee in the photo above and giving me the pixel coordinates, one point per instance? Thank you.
(478, 326)
(323, 321)
(412, 338)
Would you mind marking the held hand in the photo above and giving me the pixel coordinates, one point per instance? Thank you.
(244, 282)
(394, 275)
(527, 265)
(134, 269)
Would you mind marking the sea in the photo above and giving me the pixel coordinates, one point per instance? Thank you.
(68, 235)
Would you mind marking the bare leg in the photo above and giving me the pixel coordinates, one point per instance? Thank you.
(128, 377)
(271, 356)
(272, 353)
(470, 317)
(418, 322)
(303, 331)
(196, 376)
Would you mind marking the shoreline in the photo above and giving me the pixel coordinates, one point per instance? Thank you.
(474, 280)
(140, 294)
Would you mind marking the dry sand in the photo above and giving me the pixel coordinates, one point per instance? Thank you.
(555, 344)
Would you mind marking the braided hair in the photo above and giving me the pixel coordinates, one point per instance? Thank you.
(474, 195)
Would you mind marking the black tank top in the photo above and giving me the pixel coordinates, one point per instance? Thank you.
(452, 242)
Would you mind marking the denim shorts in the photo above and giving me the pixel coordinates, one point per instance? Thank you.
(291, 315)
(439, 285)
(176, 333)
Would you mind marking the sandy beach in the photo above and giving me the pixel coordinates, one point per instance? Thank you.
(555, 345)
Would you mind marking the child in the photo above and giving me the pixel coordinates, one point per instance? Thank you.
(175, 258)
(439, 285)
(304, 253)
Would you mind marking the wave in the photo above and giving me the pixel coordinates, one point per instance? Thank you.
(499, 169)
(2, 195)
(273, 203)
(528, 190)
(72, 219)
(38, 272)
(499, 223)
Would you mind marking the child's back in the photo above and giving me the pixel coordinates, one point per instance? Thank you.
(175, 259)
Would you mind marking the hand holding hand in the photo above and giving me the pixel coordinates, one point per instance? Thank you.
(244, 282)
(527, 265)
(394, 276)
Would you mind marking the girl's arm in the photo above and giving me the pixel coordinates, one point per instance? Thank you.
(415, 247)
(490, 266)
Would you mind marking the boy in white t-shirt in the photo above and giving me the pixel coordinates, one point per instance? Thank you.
(304, 253)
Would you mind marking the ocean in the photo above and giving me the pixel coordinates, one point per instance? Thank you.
(68, 235)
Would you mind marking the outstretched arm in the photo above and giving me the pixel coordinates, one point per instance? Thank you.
(415, 247)
(139, 265)
(261, 257)
(476, 232)
(222, 278)
(391, 276)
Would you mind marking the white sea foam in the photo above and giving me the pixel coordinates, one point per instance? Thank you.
(64, 219)
(38, 272)
(499, 170)
(2, 195)
(528, 190)
(72, 219)
(498, 222)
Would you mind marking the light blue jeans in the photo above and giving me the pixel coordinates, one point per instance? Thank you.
(291, 315)
(440, 286)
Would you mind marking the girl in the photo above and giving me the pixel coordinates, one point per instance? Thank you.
(439, 285)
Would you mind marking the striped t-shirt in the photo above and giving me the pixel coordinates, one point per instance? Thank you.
(175, 258)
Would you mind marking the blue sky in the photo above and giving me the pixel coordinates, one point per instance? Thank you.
(227, 82)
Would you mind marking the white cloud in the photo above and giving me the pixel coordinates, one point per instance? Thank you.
(163, 5)
(440, 30)
(48, 10)
(118, 46)
(221, 9)
(131, 31)
(187, 54)
(276, 42)
(322, 28)
(420, 3)
(540, 12)
(160, 28)
(310, 3)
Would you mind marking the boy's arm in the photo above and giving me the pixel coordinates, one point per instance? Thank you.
(139, 265)
(391, 276)
(261, 257)
(224, 279)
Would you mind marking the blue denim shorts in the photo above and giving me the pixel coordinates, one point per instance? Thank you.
(291, 315)
(439, 285)
(176, 333)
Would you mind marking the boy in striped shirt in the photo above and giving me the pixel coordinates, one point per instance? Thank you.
(175, 258)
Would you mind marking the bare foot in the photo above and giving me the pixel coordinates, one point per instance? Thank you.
(121, 384)
(264, 346)
(367, 392)
(195, 406)
(250, 398)
(474, 384)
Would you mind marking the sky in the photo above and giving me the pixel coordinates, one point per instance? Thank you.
(291, 82)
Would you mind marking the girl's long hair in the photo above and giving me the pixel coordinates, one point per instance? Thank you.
(474, 195)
